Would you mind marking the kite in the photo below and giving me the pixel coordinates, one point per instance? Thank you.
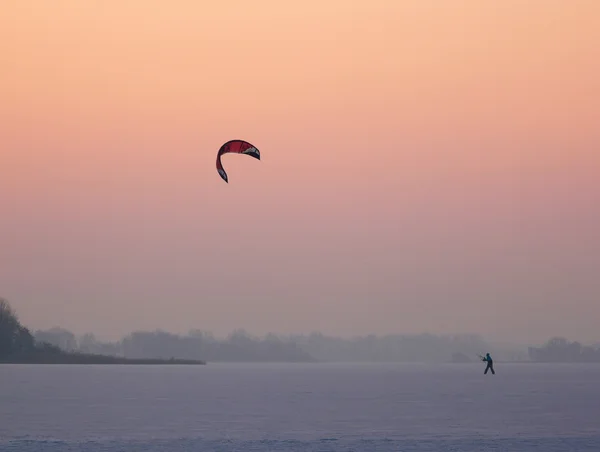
(236, 147)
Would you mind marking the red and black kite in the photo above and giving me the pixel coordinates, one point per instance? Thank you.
(235, 147)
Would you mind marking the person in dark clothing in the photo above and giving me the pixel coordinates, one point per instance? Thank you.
(490, 364)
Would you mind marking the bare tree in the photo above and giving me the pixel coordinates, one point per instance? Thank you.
(14, 337)
(9, 325)
(6, 311)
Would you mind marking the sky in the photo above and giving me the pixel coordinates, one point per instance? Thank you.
(427, 166)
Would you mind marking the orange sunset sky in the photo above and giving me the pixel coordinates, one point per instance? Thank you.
(427, 166)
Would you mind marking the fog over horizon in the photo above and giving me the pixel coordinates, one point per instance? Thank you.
(118, 330)
(424, 169)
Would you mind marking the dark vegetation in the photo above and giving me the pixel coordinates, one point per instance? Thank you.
(403, 348)
(238, 347)
(57, 345)
(19, 346)
(560, 350)
(243, 347)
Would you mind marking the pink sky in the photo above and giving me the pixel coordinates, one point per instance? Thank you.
(426, 166)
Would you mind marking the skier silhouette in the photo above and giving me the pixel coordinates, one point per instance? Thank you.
(490, 364)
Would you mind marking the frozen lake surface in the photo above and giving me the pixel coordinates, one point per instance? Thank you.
(300, 407)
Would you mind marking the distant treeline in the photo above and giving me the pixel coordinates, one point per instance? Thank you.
(560, 350)
(243, 347)
(238, 347)
(404, 348)
(19, 346)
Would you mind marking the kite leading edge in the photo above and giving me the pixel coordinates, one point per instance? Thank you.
(235, 147)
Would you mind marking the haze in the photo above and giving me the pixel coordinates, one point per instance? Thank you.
(427, 166)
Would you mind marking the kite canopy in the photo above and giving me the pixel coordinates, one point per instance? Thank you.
(235, 147)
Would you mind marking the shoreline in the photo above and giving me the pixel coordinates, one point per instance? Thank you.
(90, 359)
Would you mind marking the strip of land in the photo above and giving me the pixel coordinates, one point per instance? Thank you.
(19, 346)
